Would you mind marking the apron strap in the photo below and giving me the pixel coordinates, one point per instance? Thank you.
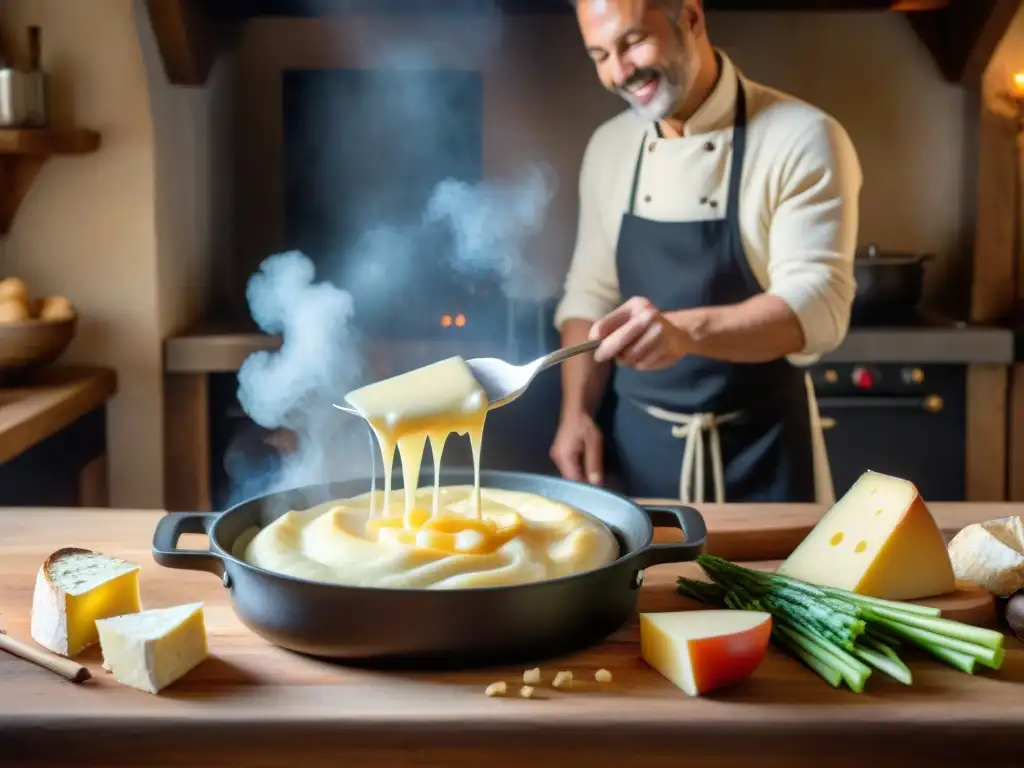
(636, 175)
(691, 427)
(739, 153)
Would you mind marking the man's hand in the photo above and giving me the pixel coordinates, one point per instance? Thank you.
(578, 449)
(637, 334)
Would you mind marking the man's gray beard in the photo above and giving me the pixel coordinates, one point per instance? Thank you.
(661, 107)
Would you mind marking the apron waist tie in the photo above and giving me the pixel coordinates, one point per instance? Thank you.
(691, 427)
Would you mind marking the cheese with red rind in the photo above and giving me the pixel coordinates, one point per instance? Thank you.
(704, 651)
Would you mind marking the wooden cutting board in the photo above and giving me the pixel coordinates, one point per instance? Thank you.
(969, 603)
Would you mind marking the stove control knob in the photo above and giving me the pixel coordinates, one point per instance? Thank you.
(831, 376)
(913, 376)
(863, 378)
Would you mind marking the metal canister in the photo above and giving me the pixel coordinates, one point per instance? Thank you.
(13, 97)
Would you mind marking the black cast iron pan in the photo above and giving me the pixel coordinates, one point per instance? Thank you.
(421, 627)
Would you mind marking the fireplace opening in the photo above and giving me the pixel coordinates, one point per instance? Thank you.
(365, 151)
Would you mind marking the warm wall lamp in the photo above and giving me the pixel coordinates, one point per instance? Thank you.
(1015, 97)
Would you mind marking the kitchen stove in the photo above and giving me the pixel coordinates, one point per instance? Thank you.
(893, 399)
(904, 420)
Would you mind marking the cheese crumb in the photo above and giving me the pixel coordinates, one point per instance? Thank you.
(526, 691)
(496, 689)
(532, 676)
(603, 676)
(563, 680)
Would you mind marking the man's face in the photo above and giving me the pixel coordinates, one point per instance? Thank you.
(641, 51)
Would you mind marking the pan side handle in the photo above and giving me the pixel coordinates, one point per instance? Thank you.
(695, 532)
(165, 542)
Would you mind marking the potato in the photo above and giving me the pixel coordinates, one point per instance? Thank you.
(14, 311)
(56, 308)
(13, 288)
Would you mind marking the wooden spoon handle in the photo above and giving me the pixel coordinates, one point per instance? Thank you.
(66, 668)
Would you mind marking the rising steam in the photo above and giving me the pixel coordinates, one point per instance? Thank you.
(491, 225)
(294, 387)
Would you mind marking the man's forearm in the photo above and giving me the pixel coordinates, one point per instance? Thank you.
(583, 380)
(760, 329)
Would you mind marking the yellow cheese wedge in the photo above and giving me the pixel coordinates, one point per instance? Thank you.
(991, 554)
(74, 588)
(878, 540)
(702, 651)
(152, 649)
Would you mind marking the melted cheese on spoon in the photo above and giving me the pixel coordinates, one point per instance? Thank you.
(431, 403)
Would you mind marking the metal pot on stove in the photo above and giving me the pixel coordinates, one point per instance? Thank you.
(889, 283)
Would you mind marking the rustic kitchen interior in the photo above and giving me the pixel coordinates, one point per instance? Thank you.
(245, 126)
(253, 211)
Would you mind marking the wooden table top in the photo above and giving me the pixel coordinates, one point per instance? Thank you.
(50, 400)
(253, 704)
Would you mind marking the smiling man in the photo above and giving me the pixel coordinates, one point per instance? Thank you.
(714, 257)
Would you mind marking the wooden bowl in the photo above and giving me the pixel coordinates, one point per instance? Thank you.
(32, 344)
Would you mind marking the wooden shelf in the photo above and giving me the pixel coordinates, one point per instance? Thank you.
(22, 154)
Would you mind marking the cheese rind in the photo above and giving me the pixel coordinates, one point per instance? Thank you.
(73, 589)
(703, 651)
(878, 540)
(154, 648)
(991, 555)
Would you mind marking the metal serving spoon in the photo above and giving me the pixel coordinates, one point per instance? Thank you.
(504, 382)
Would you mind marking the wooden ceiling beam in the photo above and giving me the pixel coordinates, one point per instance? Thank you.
(990, 25)
(963, 36)
(190, 35)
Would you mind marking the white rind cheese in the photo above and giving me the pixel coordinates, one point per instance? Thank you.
(74, 588)
(878, 540)
(154, 648)
(991, 554)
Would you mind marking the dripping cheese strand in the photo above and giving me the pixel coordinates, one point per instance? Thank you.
(475, 439)
(373, 467)
(410, 450)
(437, 442)
(387, 452)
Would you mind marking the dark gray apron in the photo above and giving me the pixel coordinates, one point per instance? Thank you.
(765, 436)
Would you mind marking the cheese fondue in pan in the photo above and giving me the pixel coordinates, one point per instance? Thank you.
(451, 537)
(517, 538)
